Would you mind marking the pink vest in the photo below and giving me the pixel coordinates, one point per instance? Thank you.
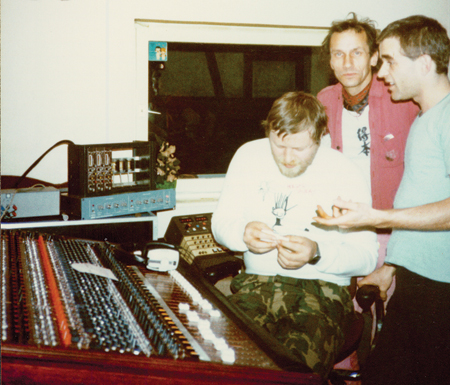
(389, 127)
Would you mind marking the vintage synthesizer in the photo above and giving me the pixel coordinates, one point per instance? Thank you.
(198, 246)
(78, 311)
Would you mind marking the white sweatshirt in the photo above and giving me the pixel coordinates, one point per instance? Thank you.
(255, 190)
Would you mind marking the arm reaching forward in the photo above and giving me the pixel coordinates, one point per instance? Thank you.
(432, 216)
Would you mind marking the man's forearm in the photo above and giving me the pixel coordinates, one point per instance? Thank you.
(433, 217)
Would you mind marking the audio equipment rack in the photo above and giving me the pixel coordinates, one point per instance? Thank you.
(114, 179)
(111, 168)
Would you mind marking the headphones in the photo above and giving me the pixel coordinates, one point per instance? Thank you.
(156, 256)
(161, 256)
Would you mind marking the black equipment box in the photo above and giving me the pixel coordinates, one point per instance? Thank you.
(199, 248)
(107, 169)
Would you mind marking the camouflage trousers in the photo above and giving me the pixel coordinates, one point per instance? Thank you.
(306, 316)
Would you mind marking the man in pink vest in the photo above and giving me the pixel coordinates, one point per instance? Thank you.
(364, 123)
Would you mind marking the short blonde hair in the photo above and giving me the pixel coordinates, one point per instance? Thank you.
(295, 112)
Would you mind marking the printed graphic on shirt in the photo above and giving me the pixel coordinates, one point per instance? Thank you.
(286, 205)
(280, 209)
(356, 139)
(363, 136)
(356, 133)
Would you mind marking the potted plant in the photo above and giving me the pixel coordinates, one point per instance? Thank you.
(167, 166)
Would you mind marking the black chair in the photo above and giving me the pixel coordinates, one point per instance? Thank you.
(358, 333)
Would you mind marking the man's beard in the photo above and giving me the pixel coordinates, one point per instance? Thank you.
(296, 171)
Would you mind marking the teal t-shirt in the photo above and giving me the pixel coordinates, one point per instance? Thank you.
(426, 180)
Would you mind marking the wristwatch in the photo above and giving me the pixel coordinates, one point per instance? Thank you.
(316, 257)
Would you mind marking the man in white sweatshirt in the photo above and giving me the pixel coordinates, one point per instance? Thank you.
(296, 273)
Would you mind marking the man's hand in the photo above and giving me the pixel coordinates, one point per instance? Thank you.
(295, 252)
(382, 278)
(258, 238)
(347, 214)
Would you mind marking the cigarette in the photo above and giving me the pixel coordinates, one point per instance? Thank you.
(267, 240)
(277, 236)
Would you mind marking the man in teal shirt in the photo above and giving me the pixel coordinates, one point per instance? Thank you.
(414, 344)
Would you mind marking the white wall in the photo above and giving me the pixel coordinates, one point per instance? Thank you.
(69, 67)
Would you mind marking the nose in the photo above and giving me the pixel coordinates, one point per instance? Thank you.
(288, 155)
(382, 72)
(348, 61)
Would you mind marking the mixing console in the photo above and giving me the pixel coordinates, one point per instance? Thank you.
(71, 294)
(51, 303)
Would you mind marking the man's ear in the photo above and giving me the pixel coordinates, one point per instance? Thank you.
(426, 63)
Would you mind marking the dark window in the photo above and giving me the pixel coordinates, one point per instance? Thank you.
(211, 98)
